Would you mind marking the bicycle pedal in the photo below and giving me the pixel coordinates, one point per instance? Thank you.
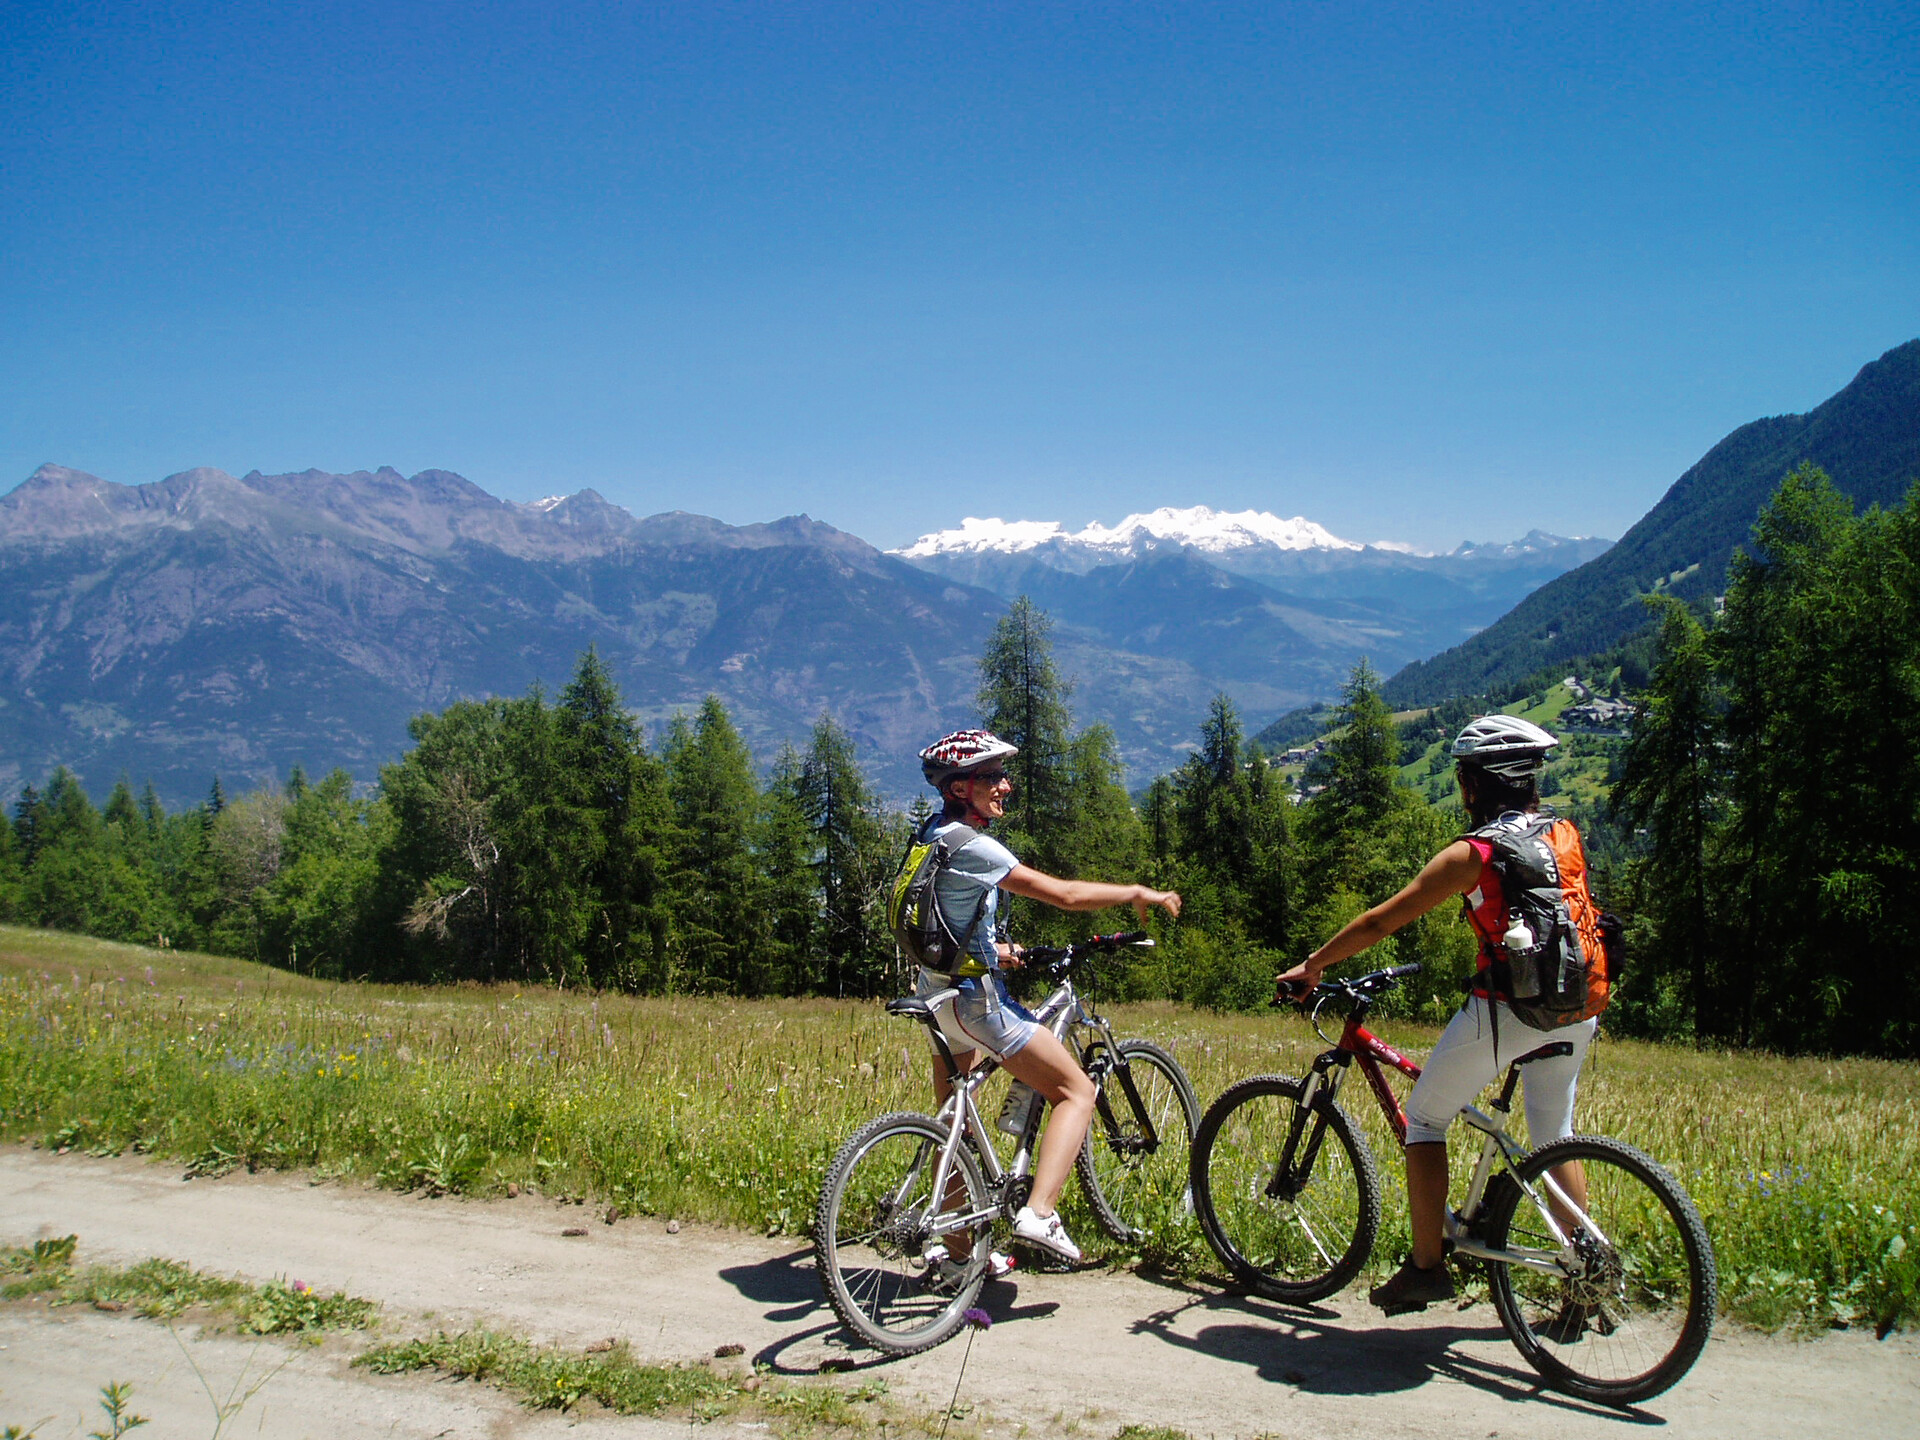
(1405, 1307)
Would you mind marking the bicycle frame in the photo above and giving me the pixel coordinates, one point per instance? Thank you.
(1060, 1012)
(1359, 1046)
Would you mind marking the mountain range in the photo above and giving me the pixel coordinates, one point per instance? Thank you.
(207, 624)
(211, 624)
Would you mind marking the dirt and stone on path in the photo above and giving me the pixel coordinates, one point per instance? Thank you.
(1085, 1352)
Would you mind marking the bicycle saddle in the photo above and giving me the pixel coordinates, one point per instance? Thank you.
(918, 1008)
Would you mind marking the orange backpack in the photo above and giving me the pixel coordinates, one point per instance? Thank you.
(1556, 964)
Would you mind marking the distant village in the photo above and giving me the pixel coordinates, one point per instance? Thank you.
(1590, 714)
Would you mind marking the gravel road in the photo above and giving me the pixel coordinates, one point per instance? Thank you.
(1084, 1353)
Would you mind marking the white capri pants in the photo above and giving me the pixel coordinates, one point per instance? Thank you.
(1463, 1064)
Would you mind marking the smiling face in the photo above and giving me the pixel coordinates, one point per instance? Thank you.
(983, 793)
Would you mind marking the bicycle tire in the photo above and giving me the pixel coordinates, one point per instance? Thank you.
(1295, 1248)
(1136, 1196)
(870, 1233)
(1639, 1320)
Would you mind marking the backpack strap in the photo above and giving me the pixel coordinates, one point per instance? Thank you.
(950, 845)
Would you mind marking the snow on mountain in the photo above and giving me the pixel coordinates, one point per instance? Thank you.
(1205, 529)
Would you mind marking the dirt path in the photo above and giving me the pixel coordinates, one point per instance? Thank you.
(1087, 1352)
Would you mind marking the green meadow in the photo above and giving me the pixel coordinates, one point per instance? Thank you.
(728, 1110)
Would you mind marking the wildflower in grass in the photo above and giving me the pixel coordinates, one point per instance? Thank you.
(978, 1318)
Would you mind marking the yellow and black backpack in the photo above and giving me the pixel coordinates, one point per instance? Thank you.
(919, 927)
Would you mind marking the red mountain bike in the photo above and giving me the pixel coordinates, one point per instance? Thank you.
(1612, 1301)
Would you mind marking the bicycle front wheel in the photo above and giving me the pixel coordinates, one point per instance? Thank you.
(1133, 1163)
(876, 1218)
(1636, 1316)
(1294, 1237)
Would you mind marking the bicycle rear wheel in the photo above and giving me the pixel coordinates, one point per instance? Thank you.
(1637, 1318)
(873, 1226)
(1295, 1238)
(1135, 1177)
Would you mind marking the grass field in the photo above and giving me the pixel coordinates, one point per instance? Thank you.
(728, 1111)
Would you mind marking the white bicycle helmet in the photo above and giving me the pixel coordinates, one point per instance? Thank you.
(964, 750)
(1504, 745)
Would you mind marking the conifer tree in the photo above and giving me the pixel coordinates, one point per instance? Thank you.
(785, 847)
(718, 918)
(1670, 786)
(853, 860)
(619, 793)
(1023, 699)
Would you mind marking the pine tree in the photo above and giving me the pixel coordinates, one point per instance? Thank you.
(1215, 808)
(853, 862)
(719, 922)
(1669, 785)
(1023, 699)
(620, 792)
(785, 848)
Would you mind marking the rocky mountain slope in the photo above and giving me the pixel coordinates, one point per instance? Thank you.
(208, 623)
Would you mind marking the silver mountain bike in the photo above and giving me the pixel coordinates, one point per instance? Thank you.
(904, 1181)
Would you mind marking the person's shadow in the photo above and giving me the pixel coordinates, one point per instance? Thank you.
(1306, 1348)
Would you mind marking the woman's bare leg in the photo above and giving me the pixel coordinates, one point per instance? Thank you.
(1043, 1063)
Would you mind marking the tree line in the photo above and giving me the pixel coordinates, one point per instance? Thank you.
(1761, 836)
(544, 839)
(1774, 775)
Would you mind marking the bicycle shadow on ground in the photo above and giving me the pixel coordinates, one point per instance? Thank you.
(785, 1282)
(790, 1287)
(1309, 1349)
(844, 1355)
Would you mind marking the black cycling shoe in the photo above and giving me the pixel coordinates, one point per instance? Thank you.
(1412, 1288)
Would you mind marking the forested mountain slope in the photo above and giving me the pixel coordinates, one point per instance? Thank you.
(1866, 437)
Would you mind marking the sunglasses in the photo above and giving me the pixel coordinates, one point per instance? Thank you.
(992, 777)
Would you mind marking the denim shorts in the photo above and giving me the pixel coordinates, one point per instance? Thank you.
(983, 1016)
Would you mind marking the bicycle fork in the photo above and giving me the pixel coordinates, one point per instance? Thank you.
(1295, 1168)
(1124, 1141)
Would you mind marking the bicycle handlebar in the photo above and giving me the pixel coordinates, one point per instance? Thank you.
(1061, 958)
(1364, 987)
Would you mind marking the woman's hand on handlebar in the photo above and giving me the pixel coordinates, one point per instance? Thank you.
(1293, 987)
(1143, 899)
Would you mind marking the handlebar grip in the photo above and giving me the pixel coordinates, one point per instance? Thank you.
(1291, 991)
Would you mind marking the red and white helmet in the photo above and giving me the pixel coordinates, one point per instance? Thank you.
(964, 750)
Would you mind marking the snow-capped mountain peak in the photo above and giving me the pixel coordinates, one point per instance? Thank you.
(1198, 526)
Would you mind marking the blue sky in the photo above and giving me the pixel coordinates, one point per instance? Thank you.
(1420, 273)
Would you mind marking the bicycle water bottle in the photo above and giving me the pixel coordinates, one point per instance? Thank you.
(1017, 1109)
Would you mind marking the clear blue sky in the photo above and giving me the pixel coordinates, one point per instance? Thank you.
(1419, 272)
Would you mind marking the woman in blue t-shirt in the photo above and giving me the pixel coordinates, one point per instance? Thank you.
(968, 768)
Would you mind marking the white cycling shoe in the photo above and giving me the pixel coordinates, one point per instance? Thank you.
(1046, 1231)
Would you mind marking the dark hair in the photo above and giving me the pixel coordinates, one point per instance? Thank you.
(1493, 797)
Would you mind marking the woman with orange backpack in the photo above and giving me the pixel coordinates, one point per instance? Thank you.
(1523, 875)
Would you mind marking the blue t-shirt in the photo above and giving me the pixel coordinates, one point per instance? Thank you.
(976, 870)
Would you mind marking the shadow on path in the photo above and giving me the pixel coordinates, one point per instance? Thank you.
(786, 1282)
(1306, 1348)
